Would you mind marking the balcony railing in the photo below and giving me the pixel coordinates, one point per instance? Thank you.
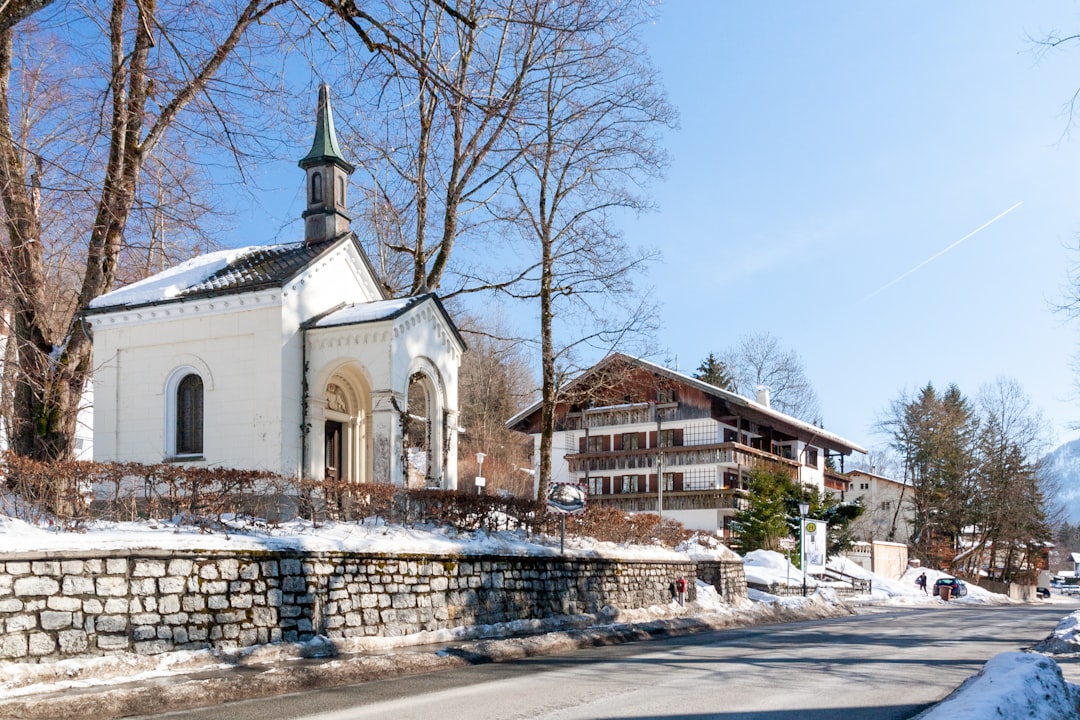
(696, 500)
(729, 455)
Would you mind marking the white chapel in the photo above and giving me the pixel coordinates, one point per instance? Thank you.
(288, 358)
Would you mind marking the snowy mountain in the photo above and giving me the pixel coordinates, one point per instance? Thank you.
(1063, 465)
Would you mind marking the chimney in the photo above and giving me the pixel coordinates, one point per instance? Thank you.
(763, 395)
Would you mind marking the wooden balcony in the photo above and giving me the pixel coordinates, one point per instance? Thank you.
(730, 455)
(681, 500)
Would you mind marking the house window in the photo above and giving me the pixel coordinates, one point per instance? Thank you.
(630, 483)
(596, 485)
(669, 482)
(667, 438)
(316, 188)
(864, 486)
(595, 444)
(811, 456)
(666, 395)
(630, 441)
(189, 416)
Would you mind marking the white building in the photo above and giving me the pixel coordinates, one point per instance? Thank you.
(888, 507)
(288, 358)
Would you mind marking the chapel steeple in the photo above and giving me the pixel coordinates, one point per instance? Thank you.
(327, 178)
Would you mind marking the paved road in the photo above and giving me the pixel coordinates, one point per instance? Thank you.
(878, 665)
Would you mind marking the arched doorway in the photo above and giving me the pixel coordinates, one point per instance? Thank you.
(346, 442)
(423, 441)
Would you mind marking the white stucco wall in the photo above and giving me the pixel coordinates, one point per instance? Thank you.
(235, 350)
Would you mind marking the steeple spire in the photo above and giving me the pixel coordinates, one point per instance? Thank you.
(327, 178)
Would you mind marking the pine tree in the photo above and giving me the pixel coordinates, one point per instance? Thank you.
(713, 371)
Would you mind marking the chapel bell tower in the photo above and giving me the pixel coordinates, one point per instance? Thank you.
(327, 179)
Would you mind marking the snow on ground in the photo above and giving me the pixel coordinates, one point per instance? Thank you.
(1007, 688)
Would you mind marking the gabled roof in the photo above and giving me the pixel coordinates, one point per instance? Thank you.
(225, 272)
(732, 399)
(369, 312)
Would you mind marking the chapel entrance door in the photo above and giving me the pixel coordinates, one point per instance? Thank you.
(333, 450)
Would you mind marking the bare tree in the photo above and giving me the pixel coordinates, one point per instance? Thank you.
(435, 145)
(158, 62)
(759, 359)
(493, 385)
(590, 135)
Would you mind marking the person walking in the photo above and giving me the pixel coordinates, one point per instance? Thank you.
(921, 582)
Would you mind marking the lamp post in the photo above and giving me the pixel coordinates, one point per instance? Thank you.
(480, 481)
(804, 507)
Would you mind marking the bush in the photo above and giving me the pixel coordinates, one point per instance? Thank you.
(68, 494)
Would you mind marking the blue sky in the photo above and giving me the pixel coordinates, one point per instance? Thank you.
(826, 149)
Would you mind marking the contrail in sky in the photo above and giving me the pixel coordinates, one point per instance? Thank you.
(938, 254)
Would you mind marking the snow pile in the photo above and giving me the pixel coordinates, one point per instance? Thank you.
(1065, 640)
(1011, 685)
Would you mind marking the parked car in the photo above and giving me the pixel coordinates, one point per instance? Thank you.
(957, 588)
(1043, 592)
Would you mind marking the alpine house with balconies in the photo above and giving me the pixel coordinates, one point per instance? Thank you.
(626, 422)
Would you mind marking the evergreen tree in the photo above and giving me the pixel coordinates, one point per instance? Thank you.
(714, 371)
(772, 513)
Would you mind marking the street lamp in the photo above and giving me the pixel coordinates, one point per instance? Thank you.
(480, 481)
(804, 508)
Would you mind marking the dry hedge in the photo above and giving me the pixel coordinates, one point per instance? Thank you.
(68, 494)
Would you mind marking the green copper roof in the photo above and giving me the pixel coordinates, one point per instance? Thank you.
(325, 146)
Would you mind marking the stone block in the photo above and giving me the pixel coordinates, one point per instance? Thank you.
(112, 642)
(53, 620)
(149, 568)
(149, 618)
(144, 632)
(240, 601)
(247, 638)
(73, 642)
(111, 623)
(143, 586)
(10, 605)
(264, 617)
(18, 623)
(13, 645)
(229, 568)
(291, 566)
(168, 604)
(153, 647)
(18, 568)
(180, 636)
(269, 568)
(217, 602)
(111, 586)
(171, 585)
(45, 567)
(117, 605)
(208, 571)
(180, 567)
(116, 566)
(193, 603)
(78, 585)
(35, 586)
(249, 571)
(218, 587)
(273, 598)
(41, 644)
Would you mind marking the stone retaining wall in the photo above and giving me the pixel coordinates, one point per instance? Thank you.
(155, 601)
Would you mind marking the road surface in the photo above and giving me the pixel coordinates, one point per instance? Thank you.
(878, 665)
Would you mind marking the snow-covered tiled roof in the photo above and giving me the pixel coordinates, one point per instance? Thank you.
(217, 273)
(733, 399)
(366, 312)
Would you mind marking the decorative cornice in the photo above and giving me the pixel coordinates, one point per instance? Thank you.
(183, 309)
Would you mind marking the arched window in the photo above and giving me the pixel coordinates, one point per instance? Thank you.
(341, 191)
(189, 416)
(316, 188)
